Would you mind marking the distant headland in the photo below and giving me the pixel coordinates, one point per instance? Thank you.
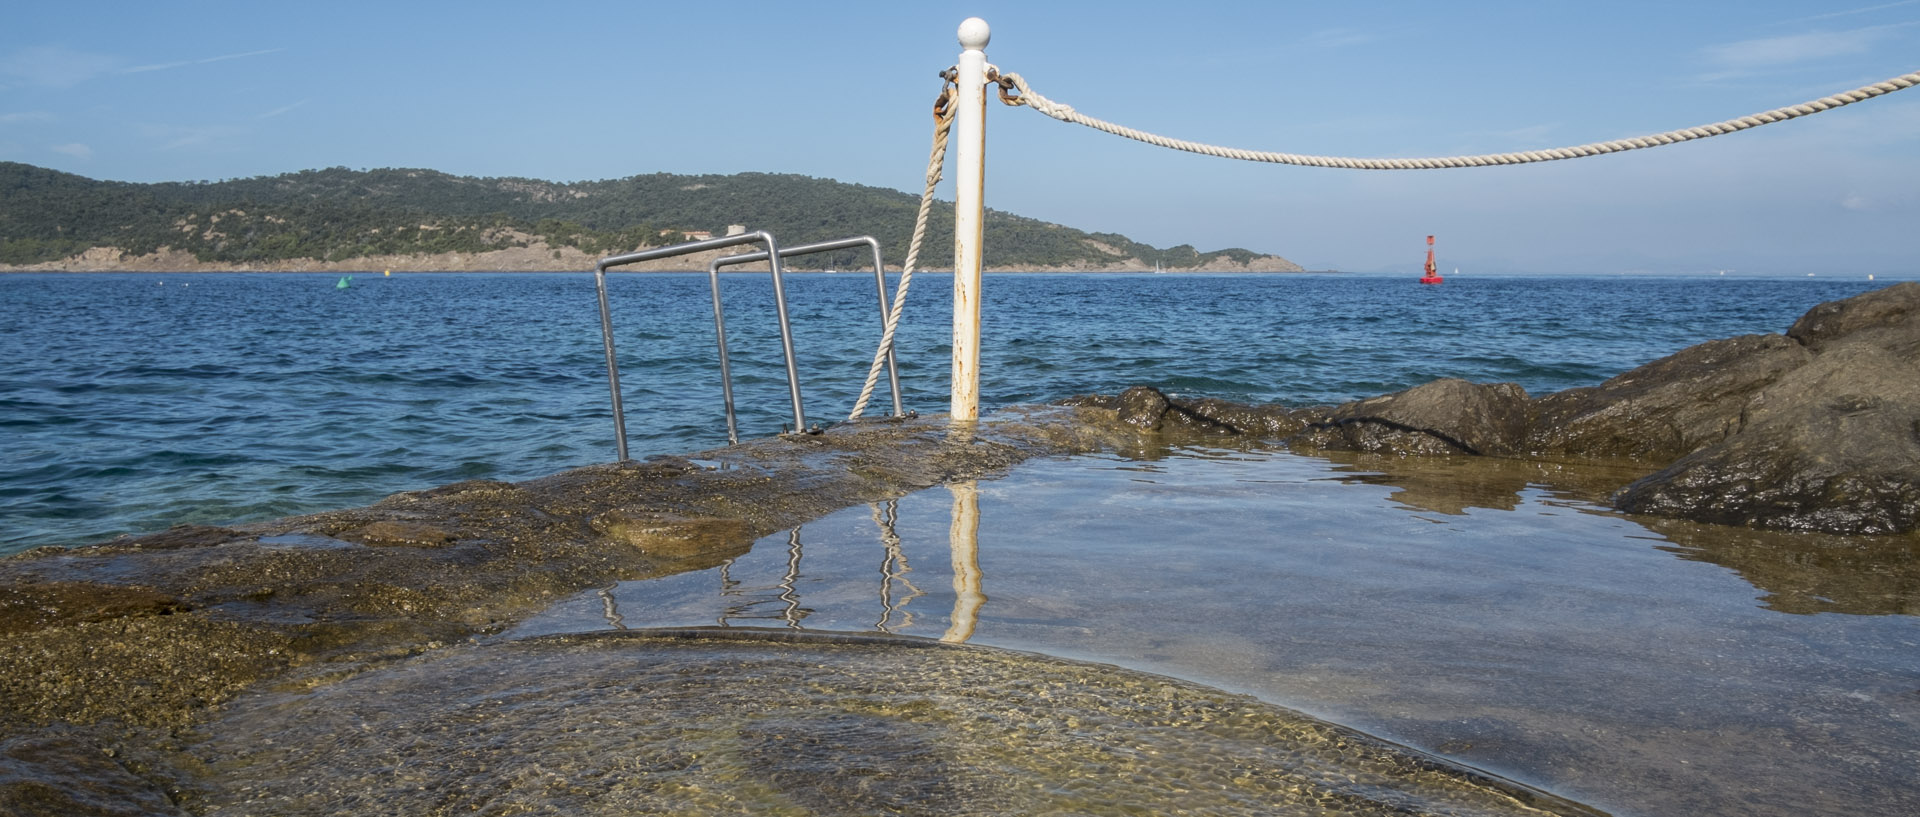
(341, 220)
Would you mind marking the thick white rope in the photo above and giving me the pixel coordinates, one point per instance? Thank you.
(1066, 113)
(943, 124)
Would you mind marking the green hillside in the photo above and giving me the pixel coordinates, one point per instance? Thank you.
(339, 214)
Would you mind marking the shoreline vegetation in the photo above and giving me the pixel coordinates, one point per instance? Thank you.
(436, 267)
(415, 220)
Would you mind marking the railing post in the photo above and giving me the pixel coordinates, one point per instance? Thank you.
(969, 178)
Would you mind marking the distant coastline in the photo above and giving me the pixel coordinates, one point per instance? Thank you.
(539, 258)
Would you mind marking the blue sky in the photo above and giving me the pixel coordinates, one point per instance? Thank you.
(569, 91)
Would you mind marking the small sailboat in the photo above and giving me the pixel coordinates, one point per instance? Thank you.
(1433, 274)
(345, 281)
(1157, 270)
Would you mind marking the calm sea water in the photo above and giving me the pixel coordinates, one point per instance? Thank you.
(129, 402)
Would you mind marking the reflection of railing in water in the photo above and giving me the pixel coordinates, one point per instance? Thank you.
(610, 608)
(893, 568)
(789, 599)
(896, 589)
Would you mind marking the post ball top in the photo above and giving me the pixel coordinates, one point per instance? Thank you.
(974, 34)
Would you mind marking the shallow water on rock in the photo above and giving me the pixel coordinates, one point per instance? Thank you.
(633, 723)
(1460, 607)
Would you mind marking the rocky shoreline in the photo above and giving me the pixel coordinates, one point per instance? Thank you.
(1815, 430)
(110, 653)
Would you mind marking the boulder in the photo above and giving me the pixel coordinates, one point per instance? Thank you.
(1834, 446)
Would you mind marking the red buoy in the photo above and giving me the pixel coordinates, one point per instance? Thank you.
(1433, 274)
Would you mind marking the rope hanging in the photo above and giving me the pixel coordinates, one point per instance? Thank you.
(942, 126)
(1015, 91)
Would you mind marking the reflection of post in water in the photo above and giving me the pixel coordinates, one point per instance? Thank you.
(727, 585)
(893, 568)
(964, 540)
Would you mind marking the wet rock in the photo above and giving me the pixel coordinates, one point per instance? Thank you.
(92, 783)
(25, 607)
(676, 536)
(393, 533)
(1262, 421)
(471, 487)
(183, 536)
(1668, 408)
(1148, 408)
(1142, 406)
(1448, 416)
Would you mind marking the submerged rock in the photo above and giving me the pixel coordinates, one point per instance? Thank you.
(732, 721)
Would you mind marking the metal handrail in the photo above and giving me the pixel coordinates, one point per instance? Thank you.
(720, 325)
(772, 256)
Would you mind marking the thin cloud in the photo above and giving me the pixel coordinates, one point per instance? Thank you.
(139, 69)
(1747, 57)
(179, 137)
(24, 117)
(282, 109)
(54, 66)
(74, 149)
(1847, 13)
(1339, 38)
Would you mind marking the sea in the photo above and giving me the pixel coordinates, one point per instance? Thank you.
(133, 402)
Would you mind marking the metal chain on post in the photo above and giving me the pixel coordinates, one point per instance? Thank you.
(942, 126)
(1014, 91)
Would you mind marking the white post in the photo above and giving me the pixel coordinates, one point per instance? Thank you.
(969, 211)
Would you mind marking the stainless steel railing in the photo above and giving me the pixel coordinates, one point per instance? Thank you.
(720, 327)
(771, 254)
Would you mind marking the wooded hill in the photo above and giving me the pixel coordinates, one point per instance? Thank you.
(339, 214)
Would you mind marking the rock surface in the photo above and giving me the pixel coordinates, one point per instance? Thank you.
(1668, 408)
